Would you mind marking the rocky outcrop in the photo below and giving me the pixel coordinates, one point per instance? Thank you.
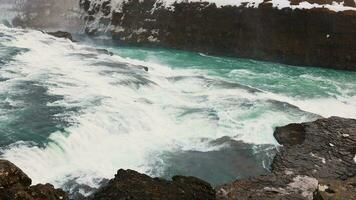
(291, 35)
(15, 185)
(317, 161)
(129, 184)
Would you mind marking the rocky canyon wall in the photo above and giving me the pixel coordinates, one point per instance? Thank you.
(321, 34)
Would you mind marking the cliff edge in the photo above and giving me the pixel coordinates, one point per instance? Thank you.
(308, 33)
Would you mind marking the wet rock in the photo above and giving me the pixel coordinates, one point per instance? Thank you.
(291, 134)
(315, 162)
(274, 186)
(325, 152)
(11, 175)
(47, 192)
(129, 184)
(62, 34)
(104, 51)
(15, 185)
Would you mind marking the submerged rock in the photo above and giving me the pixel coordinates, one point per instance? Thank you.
(129, 184)
(15, 185)
(315, 162)
(62, 34)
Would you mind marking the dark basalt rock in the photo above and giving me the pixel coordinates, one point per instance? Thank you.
(292, 134)
(62, 34)
(11, 175)
(308, 37)
(129, 184)
(15, 185)
(327, 152)
(315, 162)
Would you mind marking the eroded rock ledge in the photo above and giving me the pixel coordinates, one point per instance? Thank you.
(317, 161)
(296, 36)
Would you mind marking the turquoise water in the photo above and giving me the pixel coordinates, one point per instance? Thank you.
(303, 82)
(70, 113)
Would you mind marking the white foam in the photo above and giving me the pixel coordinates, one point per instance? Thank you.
(119, 126)
(325, 107)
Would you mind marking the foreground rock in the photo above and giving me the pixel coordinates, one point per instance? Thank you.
(129, 184)
(296, 36)
(15, 185)
(317, 161)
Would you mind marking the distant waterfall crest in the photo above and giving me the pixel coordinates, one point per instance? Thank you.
(43, 14)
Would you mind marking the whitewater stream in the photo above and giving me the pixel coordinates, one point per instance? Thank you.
(70, 113)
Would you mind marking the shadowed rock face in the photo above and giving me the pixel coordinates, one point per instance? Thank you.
(317, 161)
(315, 37)
(292, 134)
(129, 184)
(15, 185)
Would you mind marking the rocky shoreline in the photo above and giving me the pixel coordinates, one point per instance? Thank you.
(315, 36)
(317, 161)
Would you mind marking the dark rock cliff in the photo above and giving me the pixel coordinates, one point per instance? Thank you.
(315, 37)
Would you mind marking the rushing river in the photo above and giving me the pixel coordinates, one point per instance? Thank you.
(70, 112)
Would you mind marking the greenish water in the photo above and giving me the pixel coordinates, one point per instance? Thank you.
(303, 82)
(70, 113)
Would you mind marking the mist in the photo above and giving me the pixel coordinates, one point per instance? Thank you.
(43, 14)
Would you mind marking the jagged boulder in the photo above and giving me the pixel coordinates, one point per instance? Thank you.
(15, 185)
(129, 184)
(11, 175)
